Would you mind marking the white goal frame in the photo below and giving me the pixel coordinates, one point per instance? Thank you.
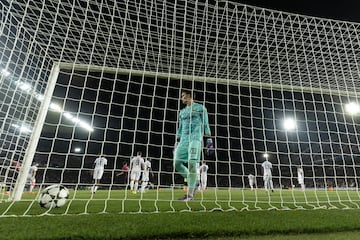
(242, 61)
(56, 69)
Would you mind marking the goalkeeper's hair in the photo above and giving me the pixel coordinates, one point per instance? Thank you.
(188, 92)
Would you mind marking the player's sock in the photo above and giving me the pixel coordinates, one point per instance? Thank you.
(131, 185)
(136, 185)
(143, 185)
(191, 192)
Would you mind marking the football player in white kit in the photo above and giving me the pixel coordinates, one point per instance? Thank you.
(137, 164)
(268, 183)
(146, 175)
(300, 178)
(99, 165)
(251, 181)
(31, 178)
(203, 169)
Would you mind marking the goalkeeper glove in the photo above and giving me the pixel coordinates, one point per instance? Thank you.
(209, 147)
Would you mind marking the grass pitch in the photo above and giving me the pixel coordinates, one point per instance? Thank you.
(215, 214)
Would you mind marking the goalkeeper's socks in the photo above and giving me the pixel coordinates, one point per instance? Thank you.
(185, 185)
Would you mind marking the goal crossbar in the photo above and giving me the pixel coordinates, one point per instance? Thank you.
(235, 82)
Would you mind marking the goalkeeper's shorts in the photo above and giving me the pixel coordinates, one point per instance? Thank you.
(188, 151)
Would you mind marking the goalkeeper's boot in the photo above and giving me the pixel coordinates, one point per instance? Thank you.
(186, 198)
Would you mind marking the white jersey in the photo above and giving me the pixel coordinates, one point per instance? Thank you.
(251, 178)
(300, 173)
(146, 172)
(100, 163)
(136, 163)
(203, 169)
(136, 166)
(251, 181)
(267, 166)
(33, 169)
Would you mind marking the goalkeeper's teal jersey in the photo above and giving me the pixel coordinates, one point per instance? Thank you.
(193, 123)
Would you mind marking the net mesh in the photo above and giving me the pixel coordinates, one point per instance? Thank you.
(122, 67)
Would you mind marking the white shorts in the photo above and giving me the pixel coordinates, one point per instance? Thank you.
(135, 175)
(203, 178)
(31, 181)
(145, 177)
(300, 180)
(267, 178)
(98, 173)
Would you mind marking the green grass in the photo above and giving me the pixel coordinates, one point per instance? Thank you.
(114, 215)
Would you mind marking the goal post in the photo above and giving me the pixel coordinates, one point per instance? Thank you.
(35, 135)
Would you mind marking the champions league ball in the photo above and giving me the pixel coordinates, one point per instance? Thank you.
(54, 196)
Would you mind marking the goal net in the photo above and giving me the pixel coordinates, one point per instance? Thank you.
(81, 80)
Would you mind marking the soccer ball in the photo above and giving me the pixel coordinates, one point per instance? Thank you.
(53, 196)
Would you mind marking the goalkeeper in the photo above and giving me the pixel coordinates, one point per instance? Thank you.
(193, 122)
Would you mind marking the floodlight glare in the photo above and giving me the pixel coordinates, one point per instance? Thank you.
(77, 149)
(68, 115)
(5, 73)
(39, 97)
(75, 120)
(86, 126)
(25, 129)
(266, 156)
(55, 107)
(78, 121)
(25, 87)
(352, 108)
(22, 129)
(289, 124)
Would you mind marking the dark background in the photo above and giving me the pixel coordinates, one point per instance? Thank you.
(347, 10)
